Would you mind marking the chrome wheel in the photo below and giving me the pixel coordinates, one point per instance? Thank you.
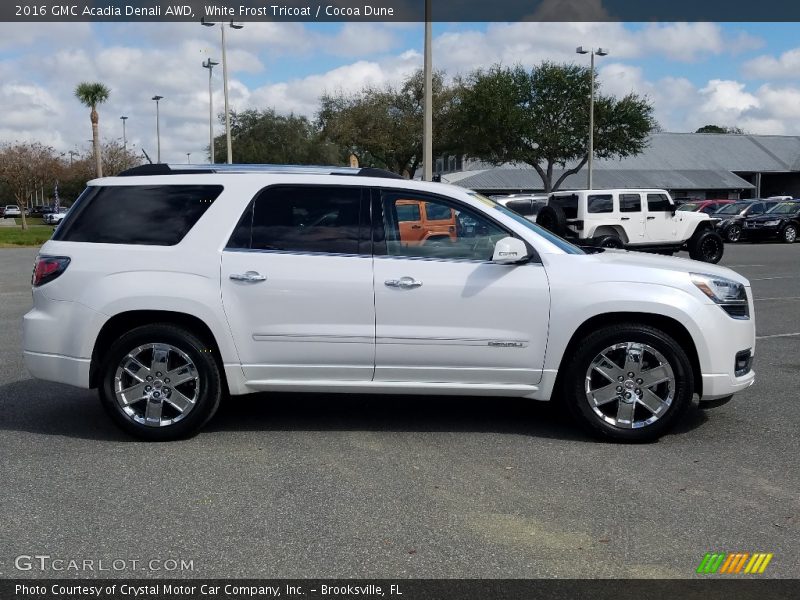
(734, 233)
(789, 234)
(630, 385)
(156, 385)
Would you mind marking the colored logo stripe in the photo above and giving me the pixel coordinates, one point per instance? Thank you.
(734, 562)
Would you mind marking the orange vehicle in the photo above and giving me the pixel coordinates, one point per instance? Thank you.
(423, 222)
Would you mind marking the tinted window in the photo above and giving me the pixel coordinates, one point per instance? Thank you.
(732, 209)
(302, 219)
(689, 207)
(600, 204)
(630, 203)
(408, 212)
(522, 207)
(153, 215)
(569, 204)
(466, 234)
(659, 203)
(757, 209)
(438, 212)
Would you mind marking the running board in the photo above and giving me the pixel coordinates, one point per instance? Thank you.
(392, 387)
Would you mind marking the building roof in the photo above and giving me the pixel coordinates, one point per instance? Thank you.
(671, 160)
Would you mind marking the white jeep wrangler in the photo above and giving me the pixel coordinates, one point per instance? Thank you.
(637, 219)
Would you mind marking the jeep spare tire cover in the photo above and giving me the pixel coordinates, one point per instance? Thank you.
(553, 219)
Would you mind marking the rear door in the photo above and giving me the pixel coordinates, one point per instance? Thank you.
(297, 285)
(632, 217)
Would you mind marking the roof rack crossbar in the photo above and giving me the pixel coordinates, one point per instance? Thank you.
(179, 169)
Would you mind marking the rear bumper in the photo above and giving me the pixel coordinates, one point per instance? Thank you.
(58, 368)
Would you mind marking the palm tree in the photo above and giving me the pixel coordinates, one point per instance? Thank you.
(90, 95)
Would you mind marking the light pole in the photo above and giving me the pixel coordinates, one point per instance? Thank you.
(427, 126)
(188, 158)
(210, 64)
(592, 52)
(124, 133)
(232, 25)
(158, 128)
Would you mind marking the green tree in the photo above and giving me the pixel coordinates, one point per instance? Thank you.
(25, 168)
(719, 129)
(383, 126)
(265, 137)
(541, 117)
(91, 95)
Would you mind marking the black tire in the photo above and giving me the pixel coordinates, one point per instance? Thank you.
(574, 383)
(789, 234)
(707, 246)
(609, 241)
(733, 233)
(205, 385)
(553, 219)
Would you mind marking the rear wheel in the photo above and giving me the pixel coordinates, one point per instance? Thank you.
(789, 234)
(628, 382)
(160, 382)
(733, 233)
(706, 246)
(610, 241)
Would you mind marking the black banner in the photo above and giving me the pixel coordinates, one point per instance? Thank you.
(710, 588)
(401, 10)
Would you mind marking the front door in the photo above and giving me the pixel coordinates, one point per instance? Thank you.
(445, 313)
(297, 285)
(661, 223)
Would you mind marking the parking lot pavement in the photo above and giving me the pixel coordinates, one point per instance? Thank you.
(359, 486)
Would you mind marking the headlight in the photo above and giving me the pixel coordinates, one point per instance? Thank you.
(771, 223)
(730, 295)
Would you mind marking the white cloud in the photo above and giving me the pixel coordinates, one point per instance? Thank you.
(786, 66)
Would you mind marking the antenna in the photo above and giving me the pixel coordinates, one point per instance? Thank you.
(146, 156)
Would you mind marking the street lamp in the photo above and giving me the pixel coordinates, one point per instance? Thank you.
(592, 52)
(232, 25)
(188, 158)
(124, 133)
(158, 128)
(210, 64)
(427, 120)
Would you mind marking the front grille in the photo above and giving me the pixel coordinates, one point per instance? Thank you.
(743, 362)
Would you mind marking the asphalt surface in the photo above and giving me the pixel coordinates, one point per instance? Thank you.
(357, 486)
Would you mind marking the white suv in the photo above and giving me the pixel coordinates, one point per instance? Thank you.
(638, 219)
(168, 289)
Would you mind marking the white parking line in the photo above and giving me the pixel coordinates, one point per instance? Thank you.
(777, 277)
(733, 266)
(778, 298)
(777, 335)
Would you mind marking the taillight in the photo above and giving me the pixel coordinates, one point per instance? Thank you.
(48, 268)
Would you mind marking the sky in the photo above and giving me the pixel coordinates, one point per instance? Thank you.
(737, 74)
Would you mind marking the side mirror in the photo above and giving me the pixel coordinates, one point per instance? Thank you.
(673, 209)
(509, 250)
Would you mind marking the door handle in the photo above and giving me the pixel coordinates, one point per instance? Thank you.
(249, 277)
(625, 219)
(650, 218)
(404, 283)
(416, 227)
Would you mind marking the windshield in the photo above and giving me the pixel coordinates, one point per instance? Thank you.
(691, 206)
(732, 209)
(550, 237)
(784, 208)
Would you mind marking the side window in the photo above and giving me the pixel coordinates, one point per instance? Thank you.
(302, 219)
(630, 203)
(437, 212)
(756, 209)
(659, 203)
(709, 208)
(148, 215)
(458, 233)
(600, 203)
(522, 207)
(408, 211)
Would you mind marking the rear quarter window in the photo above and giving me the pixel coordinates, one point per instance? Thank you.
(150, 215)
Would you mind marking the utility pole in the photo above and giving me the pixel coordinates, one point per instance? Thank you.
(210, 64)
(427, 127)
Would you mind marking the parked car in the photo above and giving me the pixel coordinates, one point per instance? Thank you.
(526, 205)
(421, 223)
(644, 220)
(10, 211)
(705, 206)
(236, 293)
(781, 222)
(729, 220)
(55, 217)
(781, 198)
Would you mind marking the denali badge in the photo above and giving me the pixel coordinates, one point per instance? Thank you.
(507, 344)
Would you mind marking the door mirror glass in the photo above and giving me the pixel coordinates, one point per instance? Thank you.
(509, 250)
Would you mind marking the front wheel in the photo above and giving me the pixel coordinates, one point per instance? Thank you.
(160, 382)
(706, 246)
(733, 233)
(628, 382)
(789, 234)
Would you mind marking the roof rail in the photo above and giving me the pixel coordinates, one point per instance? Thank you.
(172, 169)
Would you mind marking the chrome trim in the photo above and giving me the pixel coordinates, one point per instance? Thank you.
(296, 252)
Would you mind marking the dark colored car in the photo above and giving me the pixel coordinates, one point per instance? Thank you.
(705, 206)
(729, 220)
(780, 222)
